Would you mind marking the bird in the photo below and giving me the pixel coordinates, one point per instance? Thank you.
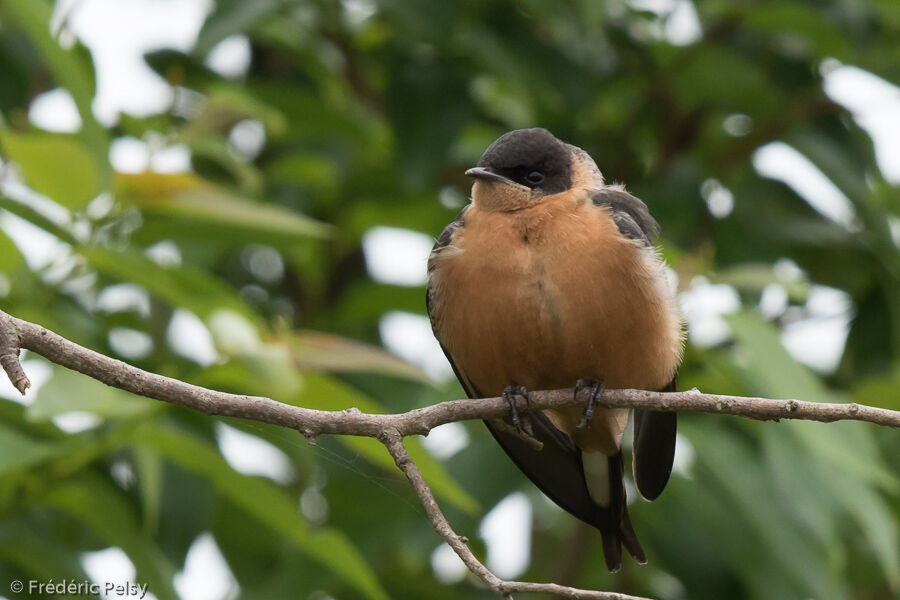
(549, 279)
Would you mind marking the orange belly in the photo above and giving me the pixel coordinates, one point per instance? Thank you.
(547, 295)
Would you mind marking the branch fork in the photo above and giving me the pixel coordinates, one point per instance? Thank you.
(9, 357)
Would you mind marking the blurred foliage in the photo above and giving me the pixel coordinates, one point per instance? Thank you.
(371, 112)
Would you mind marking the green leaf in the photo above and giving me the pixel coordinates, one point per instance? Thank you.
(699, 83)
(231, 17)
(72, 69)
(876, 519)
(841, 166)
(26, 212)
(365, 302)
(746, 486)
(40, 557)
(306, 170)
(213, 148)
(104, 509)
(848, 449)
(19, 451)
(775, 374)
(263, 372)
(232, 102)
(754, 277)
(59, 166)
(257, 368)
(70, 391)
(795, 20)
(34, 16)
(880, 391)
(847, 481)
(183, 286)
(800, 481)
(148, 465)
(266, 503)
(328, 352)
(10, 257)
(325, 393)
(191, 200)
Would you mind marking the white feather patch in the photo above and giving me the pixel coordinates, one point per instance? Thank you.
(596, 475)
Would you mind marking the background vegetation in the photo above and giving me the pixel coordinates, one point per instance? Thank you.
(371, 112)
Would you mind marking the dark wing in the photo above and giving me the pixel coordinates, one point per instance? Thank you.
(631, 216)
(442, 242)
(654, 448)
(654, 432)
(557, 470)
(447, 235)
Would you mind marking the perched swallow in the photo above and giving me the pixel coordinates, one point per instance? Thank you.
(546, 280)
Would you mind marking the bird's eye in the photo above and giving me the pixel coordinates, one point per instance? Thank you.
(535, 177)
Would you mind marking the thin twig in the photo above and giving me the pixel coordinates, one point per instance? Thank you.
(393, 441)
(390, 429)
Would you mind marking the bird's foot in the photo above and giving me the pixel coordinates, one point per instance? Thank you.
(522, 423)
(596, 388)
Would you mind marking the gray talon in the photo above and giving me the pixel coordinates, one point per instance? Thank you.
(523, 423)
(596, 389)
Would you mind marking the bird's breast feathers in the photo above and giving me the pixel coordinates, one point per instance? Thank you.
(552, 293)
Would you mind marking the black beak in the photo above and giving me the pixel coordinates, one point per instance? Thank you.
(487, 174)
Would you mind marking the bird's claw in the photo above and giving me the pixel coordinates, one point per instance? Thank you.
(596, 390)
(521, 423)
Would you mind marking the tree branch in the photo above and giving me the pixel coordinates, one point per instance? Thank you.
(17, 334)
(390, 429)
(9, 356)
(393, 441)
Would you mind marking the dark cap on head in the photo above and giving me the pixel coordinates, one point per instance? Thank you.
(531, 157)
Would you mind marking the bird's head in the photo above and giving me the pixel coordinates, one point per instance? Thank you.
(523, 166)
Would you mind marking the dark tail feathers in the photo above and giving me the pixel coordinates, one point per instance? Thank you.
(615, 524)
